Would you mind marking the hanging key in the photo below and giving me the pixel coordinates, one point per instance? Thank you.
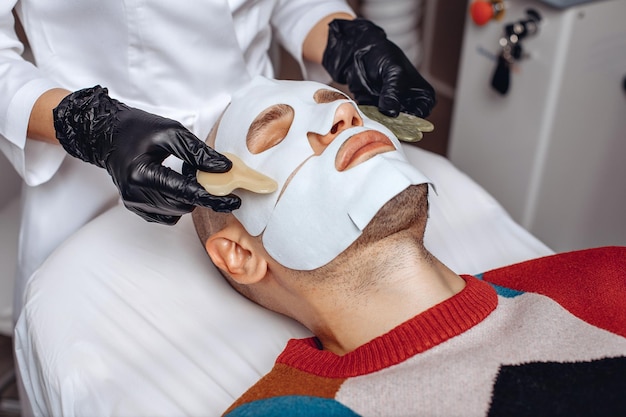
(501, 79)
(511, 50)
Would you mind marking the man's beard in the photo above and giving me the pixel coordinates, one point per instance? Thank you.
(406, 211)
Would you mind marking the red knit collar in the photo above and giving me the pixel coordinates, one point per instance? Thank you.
(424, 331)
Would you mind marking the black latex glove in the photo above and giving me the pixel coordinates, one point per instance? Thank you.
(376, 71)
(132, 144)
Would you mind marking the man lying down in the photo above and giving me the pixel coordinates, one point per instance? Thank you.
(339, 247)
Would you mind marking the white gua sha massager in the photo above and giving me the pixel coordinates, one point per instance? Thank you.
(321, 211)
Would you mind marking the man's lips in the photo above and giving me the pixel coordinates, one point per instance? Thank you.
(361, 147)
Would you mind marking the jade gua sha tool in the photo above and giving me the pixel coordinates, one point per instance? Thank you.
(406, 127)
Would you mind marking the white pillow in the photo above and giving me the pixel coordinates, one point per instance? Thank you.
(130, 318)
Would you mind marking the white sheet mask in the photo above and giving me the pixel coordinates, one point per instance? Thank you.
(321, 211)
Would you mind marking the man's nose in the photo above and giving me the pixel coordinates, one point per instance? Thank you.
(346, 116)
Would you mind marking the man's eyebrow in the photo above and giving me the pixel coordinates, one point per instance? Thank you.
(268, 115)
(328, 96)
(264, 119)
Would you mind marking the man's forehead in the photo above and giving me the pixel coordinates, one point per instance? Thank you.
(262, 93)
(270, 87)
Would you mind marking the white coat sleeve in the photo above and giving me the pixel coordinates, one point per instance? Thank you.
(293, 20)
(21, 83)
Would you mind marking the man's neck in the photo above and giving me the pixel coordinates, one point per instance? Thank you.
(397, 288)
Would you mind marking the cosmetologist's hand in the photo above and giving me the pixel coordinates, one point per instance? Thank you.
(131, 145)
(375, 69)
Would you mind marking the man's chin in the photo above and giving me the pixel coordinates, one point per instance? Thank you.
(407, 210)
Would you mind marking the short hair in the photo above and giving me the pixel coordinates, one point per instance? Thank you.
(208, 222)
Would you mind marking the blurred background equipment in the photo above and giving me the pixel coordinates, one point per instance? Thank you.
(550, 148)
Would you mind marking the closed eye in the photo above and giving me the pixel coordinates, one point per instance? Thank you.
(269, 128)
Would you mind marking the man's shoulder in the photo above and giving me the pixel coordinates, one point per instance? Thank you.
(292, 405)
(590, 283)
(286, 391)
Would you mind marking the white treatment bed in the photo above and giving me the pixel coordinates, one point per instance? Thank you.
(129, 318)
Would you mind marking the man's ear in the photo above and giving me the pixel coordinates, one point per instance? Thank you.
(233, 250)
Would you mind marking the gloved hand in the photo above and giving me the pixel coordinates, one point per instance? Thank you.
(376, 71)
(132, 144)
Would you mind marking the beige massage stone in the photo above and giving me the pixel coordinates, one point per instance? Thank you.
(239, 176)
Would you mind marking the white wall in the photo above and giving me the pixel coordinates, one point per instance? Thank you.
(9, 181)
(10, 185)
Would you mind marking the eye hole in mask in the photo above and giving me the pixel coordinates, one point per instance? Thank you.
(269, 128)
(272, 125)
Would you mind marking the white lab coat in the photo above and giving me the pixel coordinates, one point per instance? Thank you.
(178, 59)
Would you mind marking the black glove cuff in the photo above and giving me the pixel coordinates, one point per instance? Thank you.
(345, 38)
(84, 122)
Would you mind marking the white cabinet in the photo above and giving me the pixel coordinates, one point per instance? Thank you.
(553, 149)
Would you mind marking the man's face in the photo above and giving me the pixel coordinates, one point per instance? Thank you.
(334, 167)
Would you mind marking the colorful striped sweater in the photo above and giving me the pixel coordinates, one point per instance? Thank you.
(543, 337)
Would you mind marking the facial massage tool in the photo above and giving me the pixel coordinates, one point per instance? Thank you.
(239, 176)
(406, 127)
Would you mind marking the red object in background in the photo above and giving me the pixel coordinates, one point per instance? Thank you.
(482, 12)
